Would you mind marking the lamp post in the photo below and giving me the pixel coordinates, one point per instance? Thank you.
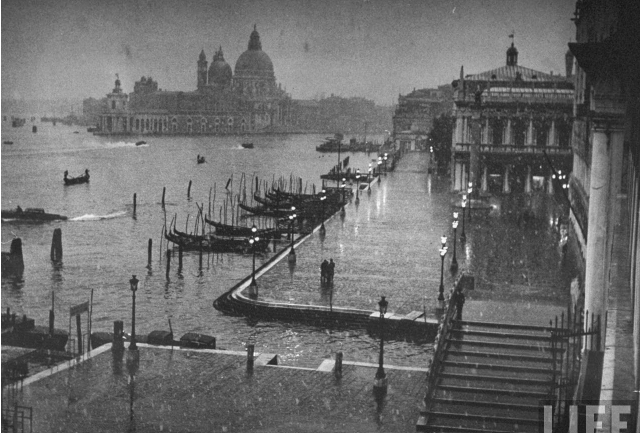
(381, 378)
(357, 186)
(379, 167)
(454, 224)
(443, 252)
(323, 197)
(386, 155)
(292, 217)
(343, 186)
(252, 240)
(134, 286)
(464, 208)
(369, 179)
(469, 193)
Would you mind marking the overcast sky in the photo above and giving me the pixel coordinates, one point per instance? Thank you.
(370, 48)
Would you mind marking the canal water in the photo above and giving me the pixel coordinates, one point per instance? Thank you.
(387, 245)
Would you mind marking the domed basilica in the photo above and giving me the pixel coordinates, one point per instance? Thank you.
(245, 100)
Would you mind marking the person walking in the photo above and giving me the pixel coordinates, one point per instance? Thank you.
(324, 268)
(330, 271)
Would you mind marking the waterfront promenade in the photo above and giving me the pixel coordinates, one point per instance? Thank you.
(387, 245)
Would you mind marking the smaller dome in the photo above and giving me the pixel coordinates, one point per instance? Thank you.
(220, 71)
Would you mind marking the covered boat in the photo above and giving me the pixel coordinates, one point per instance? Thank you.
(31, 214)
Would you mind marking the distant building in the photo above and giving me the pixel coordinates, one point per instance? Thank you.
(506, 119)
(224, 102)
(413, 118)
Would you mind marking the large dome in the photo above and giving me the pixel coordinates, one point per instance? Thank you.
(254, 61)
(219, 71)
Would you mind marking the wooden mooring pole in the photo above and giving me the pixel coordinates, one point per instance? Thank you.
(164, 190)
(168, 262)
(189, 190)
(149, 251)
(134, 204)
(56, 245)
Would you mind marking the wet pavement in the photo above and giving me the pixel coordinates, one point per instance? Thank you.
(212, 391)
(388, 245)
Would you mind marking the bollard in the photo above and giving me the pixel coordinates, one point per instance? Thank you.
(149, 250)
(134, 203)
(337, 370)
(189, 190)
(168, 262)
(51, 322)
(78, 325)
(164, 189)
(250, 349)
(118, 341)
(179, 258)
(56, 245)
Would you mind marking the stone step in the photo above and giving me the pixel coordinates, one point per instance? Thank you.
(525, 381)
(498, 358)
(437, 428)
(505, 326)
(482, 422)
(497, 370)
(512, 347)
(482, 406)
(518, 392)
(503, 335)
(489, 396)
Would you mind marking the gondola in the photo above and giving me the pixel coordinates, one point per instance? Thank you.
(84, 178)
(241, 231)
(247, 145)
(214, 243)
(264, 210)
(140, 143)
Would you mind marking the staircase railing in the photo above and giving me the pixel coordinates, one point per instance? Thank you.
(452, 311)
(567, 340)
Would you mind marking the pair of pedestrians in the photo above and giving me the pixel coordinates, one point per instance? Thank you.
(327, 270)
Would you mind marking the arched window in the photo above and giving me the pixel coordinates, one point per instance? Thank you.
(146, 124)
(137, 124)
(174, 125)
(496, 130)
(519, 126)
(230, 121)
(189, 125)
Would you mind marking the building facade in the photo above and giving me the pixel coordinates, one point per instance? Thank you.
(414, 114)
(605, 185)
(512, 128)
(247, 100)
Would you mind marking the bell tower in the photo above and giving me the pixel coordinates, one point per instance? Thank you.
(202, 70)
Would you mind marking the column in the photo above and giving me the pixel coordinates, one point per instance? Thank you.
(505, 182)
(551, 140)
(485, 136)
(595, 276)
(527, 181)
(485, 179)
(507, 133)
(549, 184)
(458, 135)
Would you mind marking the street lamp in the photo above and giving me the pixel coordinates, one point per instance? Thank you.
(252, 241)
(134, 286)
(323, 197)
(343, 186)
(368, 178)
(357, 186)
(379, 167)
(464, 208)
(381, 378)
(443, 252)
(385, 163)
(470, 192)
(454, 224)
(292, 217)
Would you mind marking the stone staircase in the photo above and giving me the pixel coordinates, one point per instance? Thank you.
(492, 379)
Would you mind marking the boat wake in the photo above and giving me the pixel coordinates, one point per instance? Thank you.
(93, 217)
(114, 145)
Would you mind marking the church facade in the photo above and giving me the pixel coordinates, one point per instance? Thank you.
(244, 101)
